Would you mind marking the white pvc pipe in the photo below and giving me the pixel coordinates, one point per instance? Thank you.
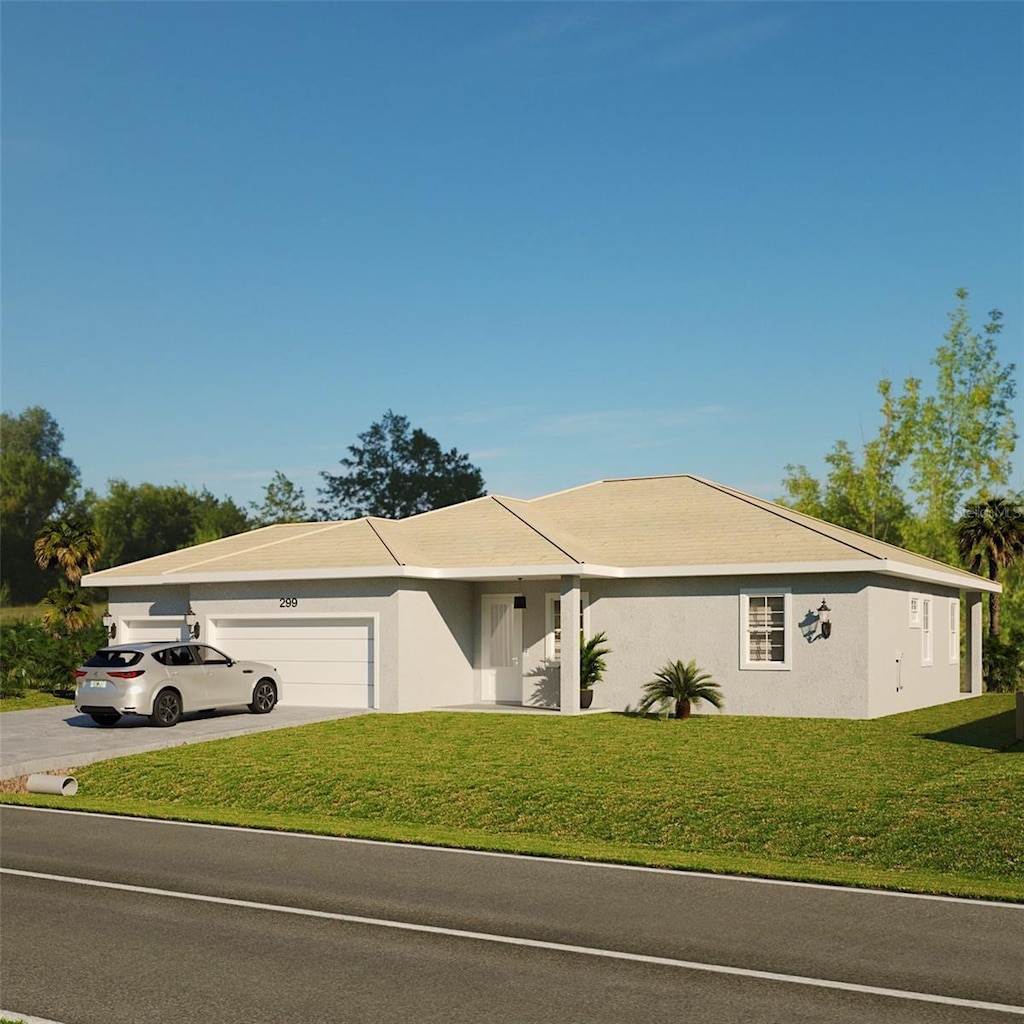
(61, 785)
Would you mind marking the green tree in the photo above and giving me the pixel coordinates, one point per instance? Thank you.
(863, 493)
(931, 450)
(214, 518)
(283, 502)
(70, 544)
(990, 537)
(36, 481)
(398, 472)
(66, 611)
(141, 521)
(965, 434)
(681, 686)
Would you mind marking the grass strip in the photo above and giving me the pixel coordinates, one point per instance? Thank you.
(928, 801)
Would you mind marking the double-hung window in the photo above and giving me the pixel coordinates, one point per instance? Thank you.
(926, 630)
(765, 628)
(954, 631)
(553, 641)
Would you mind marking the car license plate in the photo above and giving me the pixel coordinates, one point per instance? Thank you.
(97, 683)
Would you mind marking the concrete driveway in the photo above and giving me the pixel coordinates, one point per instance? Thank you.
(49, 739)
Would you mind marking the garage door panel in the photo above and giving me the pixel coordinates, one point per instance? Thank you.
(314, 695)
(321, 662)
(140, 631)
(274, 649)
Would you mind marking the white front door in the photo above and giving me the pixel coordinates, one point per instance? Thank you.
(501, 650)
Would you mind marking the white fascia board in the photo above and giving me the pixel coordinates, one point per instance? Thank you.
(947, 578)
(886, 567)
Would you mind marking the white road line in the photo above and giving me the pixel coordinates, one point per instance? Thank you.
(511, 940)
(606, 865)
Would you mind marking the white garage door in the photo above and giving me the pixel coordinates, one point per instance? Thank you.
(325, 663)
(156, 628)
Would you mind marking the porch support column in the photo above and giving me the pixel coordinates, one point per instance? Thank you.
(569, 691)
(974, 640)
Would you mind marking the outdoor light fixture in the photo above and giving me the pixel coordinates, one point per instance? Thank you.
(519, 601)
(108, 625)
(825, 620)
(192, 622)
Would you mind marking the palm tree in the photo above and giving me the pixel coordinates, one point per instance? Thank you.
(65, 610)
(70, 544)
(685, 685)
(990, 536)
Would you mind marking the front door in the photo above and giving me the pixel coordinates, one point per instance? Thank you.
(501, 651)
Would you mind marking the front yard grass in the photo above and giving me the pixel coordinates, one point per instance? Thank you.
(929, 801)
(32, 699)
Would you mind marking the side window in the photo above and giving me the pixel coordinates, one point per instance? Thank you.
(209, 655)
(765, 621)
(553, 625)
(175, 657)
(954, 631)
(926, 630)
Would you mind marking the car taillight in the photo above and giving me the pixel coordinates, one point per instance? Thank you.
(134, 674)
(80, 672)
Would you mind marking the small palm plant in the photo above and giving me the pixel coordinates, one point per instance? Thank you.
(683, 685)
(592, 663)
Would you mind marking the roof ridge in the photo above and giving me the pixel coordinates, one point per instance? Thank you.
(536, 529)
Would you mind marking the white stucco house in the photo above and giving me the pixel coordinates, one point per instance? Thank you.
(465, 605)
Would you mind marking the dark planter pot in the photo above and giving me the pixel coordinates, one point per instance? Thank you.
(586, 698)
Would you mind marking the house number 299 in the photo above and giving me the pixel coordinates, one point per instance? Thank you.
(289, 602)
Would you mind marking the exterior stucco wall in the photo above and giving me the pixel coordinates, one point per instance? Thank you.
(147, 602)
(899, 680)
(649, 622)
(435, 645)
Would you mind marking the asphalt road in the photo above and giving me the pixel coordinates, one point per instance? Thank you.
(365, 932)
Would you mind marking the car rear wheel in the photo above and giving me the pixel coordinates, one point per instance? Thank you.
(106, 717)
(264, 697)
(166, 709)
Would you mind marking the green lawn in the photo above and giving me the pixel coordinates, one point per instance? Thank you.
(34, 699)
(931, 801)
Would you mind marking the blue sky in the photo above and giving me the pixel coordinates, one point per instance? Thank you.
(572, 240)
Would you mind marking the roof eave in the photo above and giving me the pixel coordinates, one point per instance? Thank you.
(590, 570)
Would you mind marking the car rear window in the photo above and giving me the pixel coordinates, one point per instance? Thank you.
(114, 659)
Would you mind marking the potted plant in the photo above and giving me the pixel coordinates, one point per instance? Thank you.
(592, 665)
(679, 687)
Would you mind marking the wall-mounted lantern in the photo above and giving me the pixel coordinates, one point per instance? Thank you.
(519, 601)
(825, 620)
(192, 623)
(109, 625)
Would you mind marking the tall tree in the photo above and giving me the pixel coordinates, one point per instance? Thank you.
(397, 472)
(36, 481)
(214, 518)
(931, 451)
(138, 522)
(283, 502)
(966, 432)
(990, 537)
(863, 493)
(69, 543)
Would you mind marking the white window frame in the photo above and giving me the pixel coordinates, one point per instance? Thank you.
(927, 629)
(914, 610)
(954, 630)
(787, 626)
(552, 650)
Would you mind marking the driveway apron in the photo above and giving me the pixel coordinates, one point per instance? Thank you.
(49, 739)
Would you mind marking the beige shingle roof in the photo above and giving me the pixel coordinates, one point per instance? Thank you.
(610, 526)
